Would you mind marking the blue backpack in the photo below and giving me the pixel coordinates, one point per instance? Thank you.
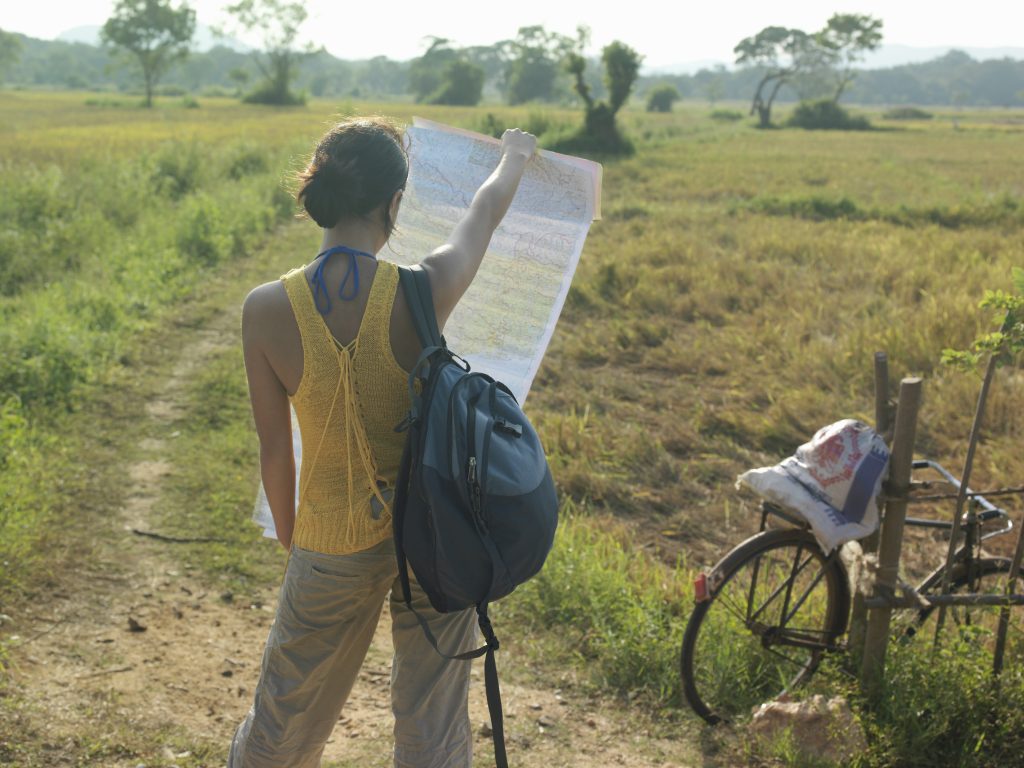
(475, 508)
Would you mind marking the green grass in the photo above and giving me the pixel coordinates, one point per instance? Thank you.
(212, 492)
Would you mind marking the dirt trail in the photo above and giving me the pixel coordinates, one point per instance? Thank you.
(145, 647)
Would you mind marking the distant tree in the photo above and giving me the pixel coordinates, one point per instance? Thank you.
(714, 86)
(240, 77)
(426, 73)
(152, 31)
(534, 64)
(278, 22)
(661, 97)
(462, 84)
(845, 39)
(10, 50)
(621, 67)
(782, 54)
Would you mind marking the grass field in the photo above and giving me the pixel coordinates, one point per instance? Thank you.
(727, 306)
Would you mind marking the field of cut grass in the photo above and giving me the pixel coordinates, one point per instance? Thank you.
(727, 306)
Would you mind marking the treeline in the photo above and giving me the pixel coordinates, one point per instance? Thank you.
(955, 79)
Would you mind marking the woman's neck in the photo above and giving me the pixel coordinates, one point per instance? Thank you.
(354, 234)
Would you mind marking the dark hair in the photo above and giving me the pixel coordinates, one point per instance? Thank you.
(357, 165)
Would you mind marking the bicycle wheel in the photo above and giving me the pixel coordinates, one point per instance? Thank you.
(985, 576)
(775, 604)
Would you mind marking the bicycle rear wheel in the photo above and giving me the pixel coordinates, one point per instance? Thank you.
(774, 606)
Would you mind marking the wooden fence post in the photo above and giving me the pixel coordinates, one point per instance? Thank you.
(869, 544)
(896, 490)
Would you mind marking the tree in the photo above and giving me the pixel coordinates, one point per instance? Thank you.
(714, 86)
(462, 84)
(426, 74)
(278, 22)
(661, 98)
(621, 67)
(152, 31)
(534, 63)
(845, 38)
(10, 50)
(240, 77)
(782, 54)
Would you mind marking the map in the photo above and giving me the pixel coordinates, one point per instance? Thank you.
(505, 320)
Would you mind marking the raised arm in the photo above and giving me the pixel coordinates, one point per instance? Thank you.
(453, 266)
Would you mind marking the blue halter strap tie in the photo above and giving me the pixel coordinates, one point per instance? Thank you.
(320, 286)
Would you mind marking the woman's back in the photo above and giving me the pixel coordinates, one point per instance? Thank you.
(350, 394)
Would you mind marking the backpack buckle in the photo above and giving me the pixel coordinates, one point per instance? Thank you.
(506, 426)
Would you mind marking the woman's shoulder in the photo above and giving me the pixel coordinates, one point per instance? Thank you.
(267, 303)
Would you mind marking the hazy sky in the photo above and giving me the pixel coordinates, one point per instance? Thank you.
(665, 31)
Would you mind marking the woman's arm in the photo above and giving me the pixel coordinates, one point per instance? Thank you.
(453, 266)
(272, 414)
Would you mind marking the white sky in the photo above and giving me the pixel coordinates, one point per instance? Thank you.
(665, 31)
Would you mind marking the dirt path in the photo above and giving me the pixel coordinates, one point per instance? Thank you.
(138, 662)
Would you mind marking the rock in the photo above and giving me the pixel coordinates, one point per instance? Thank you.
(486, 730)
(135, 626)
(227, 597)
(545, 722)
(820, 728)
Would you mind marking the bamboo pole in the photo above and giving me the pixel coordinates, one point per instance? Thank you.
(891, 540)
(869, 544)
(1004, 614)
(965, 480)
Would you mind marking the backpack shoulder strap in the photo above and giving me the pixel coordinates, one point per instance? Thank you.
(416, 286)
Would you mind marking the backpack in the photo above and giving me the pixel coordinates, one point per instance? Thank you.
(475, 508)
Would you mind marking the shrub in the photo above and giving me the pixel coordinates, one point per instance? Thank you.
(179, 170)
(201, 234)
(660, 98)
(489, 125)
(273, 95)
(826, 115)
(169, 90)
(906, 113)
(246, 160)
(726, 115)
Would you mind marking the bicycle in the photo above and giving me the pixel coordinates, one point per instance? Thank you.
(770, 610)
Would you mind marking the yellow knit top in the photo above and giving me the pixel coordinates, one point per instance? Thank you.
(348, 402)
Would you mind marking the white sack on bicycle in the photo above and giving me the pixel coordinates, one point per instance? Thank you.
(832, 482)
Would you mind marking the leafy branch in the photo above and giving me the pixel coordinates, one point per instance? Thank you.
(1002, 345)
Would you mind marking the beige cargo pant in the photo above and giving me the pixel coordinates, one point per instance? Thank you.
(327, 612)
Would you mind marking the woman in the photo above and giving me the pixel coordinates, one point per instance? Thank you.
(335, 340)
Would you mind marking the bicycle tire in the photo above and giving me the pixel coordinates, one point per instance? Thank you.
(731, 662)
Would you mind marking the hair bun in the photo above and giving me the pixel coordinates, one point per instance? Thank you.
(356, 169)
